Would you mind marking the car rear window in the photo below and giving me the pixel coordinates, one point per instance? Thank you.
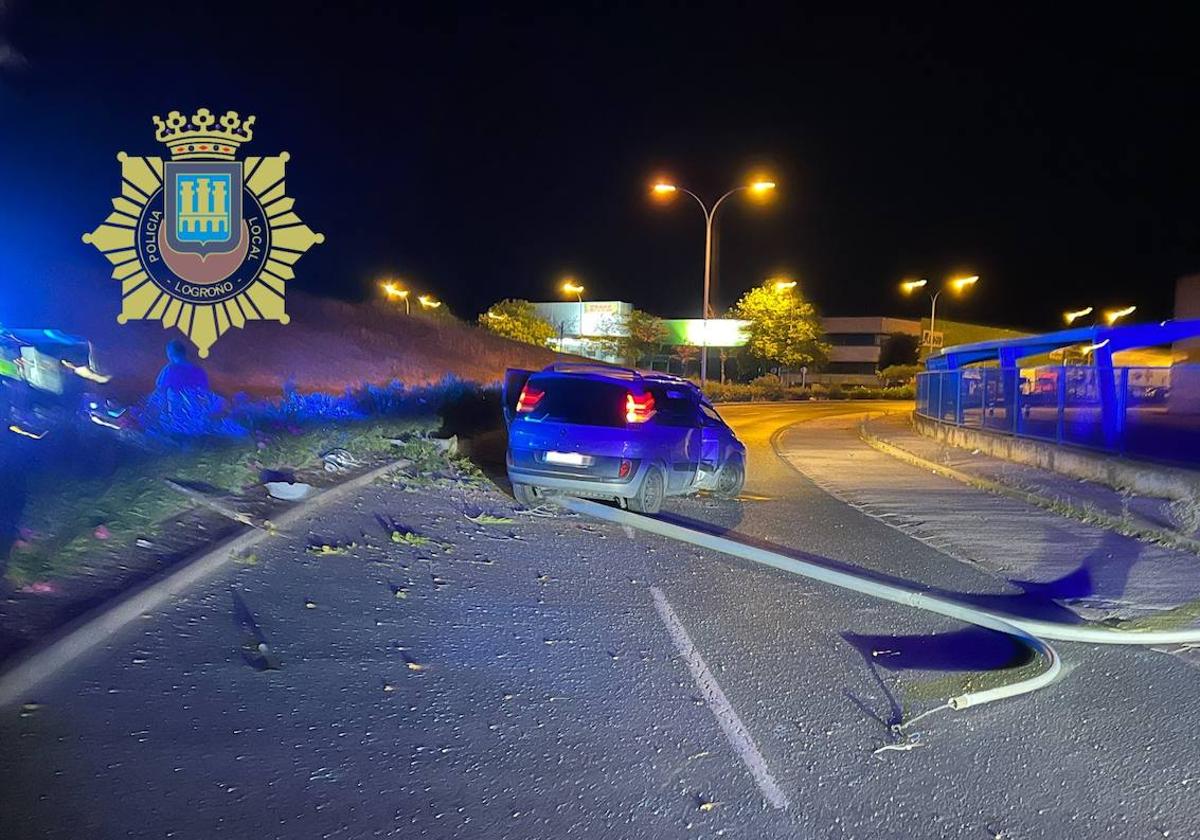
(676, 406)
(574, 399)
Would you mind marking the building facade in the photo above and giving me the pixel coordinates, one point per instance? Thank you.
(855, 348)
(577, 325)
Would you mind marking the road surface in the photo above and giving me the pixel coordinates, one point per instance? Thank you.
(556, 677)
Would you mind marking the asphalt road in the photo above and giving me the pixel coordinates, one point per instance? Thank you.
(526, 680)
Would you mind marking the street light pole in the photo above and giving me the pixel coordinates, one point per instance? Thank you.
(710, 214)
(572, 288)
(910, 286)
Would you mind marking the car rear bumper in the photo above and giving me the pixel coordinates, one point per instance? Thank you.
(578, 484)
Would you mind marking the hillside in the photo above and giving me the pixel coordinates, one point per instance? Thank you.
(328, 346)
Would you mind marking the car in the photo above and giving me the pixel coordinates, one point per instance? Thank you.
(614, 433)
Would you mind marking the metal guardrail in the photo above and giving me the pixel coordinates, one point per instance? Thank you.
(1144, 412)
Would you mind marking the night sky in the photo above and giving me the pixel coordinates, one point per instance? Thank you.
(482, 153)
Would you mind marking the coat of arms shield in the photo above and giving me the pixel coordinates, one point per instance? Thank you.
(203, 206)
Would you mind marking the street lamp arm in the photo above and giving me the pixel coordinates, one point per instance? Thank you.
(699, 200)
(722, 198)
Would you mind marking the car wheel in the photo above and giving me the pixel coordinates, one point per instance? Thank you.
(524, 495)
(731, 478)
(650, 494)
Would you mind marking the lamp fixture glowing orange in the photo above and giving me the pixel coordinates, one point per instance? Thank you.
(1072, 317)
(963, 282)
(1114, 315)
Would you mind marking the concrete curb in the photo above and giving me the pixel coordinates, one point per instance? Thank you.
(1129, 527)
(45, 659)
(1145, 477)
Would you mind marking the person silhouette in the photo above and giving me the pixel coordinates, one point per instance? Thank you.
(179, 374)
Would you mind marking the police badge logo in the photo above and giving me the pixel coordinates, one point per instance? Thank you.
(201, 242)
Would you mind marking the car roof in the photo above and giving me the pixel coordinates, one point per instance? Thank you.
(599, 370)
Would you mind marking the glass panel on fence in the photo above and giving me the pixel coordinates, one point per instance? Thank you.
(949, 396)
(971, 395)
(998, 399)
(1162, 413)
(1038, 414)
(1084, 404)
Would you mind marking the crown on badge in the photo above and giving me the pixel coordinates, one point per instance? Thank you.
(203, 139)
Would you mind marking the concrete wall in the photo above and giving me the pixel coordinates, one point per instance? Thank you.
(1144, 478)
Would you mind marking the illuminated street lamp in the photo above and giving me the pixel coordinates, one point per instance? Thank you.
(394, 292)
(782, 285)
(428, 302)
(1073, 316)
(1114, 315)
(570, 287)
(957, 284)
(666, 189)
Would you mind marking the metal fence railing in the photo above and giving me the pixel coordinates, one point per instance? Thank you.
(1145, 412)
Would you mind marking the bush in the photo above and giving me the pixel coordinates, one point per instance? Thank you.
(769, 386)
(764, 389)
(899, 374)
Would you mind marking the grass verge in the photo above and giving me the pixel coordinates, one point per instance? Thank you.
(62, 517)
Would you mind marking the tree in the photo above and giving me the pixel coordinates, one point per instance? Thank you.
(635, 337)
(899, 349)
(630, 338)
(519, 321)
(684, 354)
(784, 328)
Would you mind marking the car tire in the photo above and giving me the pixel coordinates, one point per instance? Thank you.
(650, 494)
(731, 478)
(525, 495)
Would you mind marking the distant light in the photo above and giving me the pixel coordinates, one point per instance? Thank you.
(962, 282)
(571, 287)
(23, 433)
(1114, 315)
(429, 302)
(910, 286)
(393, 291)
(1094, 347)
(102, 422)
(762, 186)
(662, 187)
(714, 332)
(1072, 317)
(782, 285)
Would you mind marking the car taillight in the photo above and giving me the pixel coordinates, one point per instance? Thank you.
(529, 399)
(639, 408)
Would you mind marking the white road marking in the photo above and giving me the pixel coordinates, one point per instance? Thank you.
(727, 717)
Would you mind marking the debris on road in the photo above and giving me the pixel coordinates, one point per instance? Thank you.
(288, 491)
(490, 519)
(339, 460)
(211, 502)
